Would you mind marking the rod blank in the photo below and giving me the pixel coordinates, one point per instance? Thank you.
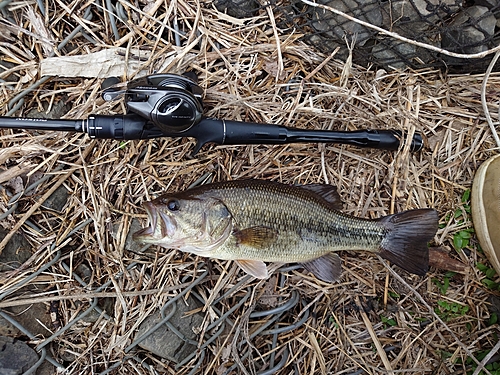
(41, 124)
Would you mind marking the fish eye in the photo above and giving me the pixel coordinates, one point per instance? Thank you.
(172, 204)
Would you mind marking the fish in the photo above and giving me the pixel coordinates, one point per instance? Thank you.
(256, 221)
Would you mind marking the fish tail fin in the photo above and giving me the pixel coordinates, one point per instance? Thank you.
(405, 243)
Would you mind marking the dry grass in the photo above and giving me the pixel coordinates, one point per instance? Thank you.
(250, 72)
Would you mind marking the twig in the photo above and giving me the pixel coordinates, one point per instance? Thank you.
(278, 42)
(483, 98)
(37, 205)
(431, 310)
(80, 296)
(402, 38)
(144, 19)
(380, 350)
(485, 360)
(318, 352)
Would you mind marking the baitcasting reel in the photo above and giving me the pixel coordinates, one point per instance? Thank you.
(173, 103)
(170, 105)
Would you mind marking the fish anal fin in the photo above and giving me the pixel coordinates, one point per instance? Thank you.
(327, 267)
(405, 243)
(256, 268)
(328, 192)
(259, 237)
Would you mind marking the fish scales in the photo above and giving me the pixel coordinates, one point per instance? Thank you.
(307, 228)
(257, 221)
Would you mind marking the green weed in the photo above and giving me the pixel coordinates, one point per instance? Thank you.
(449, 310)
(332, 322)
(388, 322)
(493, 319)
(394, 294)
(462, 238)
(443, 285)
(461, 215)
(489, 280)
(493, 368)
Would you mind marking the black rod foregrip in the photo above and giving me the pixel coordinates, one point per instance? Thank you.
(126, 127)
(96, 126)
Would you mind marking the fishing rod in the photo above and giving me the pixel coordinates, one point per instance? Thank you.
(170, 105)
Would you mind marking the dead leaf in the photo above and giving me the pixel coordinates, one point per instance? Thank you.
(439, 258)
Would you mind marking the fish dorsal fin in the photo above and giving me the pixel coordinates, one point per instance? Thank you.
(259, 237)
(256, 268)
(328, 192)
(327, 267)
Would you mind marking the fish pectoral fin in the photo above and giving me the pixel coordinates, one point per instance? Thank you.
(327, 267)
(256, 268)
(259, 237)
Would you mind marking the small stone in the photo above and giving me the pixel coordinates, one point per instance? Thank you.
(434, 10)
(417, 19)
(16, 252)
(337, 26)
(327, 45)
(84, 272)
(130, 244)
(58, 110)
(237, 9)
(494, 306)
(394, 55)
(20, 183)
(165, 343)
(470, 31)
(16, 357)
(106, 304)
(490, 4)
(46, 368)
(35, 318)
(6, 65)
(7, 329)
(15, 185)
(57, 200)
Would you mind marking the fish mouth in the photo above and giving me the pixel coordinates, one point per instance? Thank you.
(148, 232)
(167, 225)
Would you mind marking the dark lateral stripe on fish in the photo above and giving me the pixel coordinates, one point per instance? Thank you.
(405, 243)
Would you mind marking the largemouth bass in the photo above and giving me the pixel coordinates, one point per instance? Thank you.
(256, 221)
